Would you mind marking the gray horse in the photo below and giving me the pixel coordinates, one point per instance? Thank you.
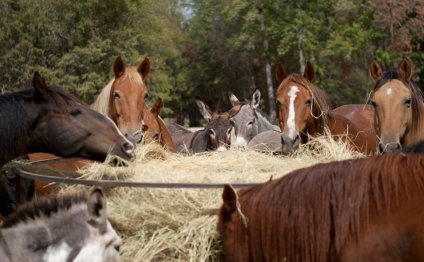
(249, 121)
(71, 227)
(215, 136)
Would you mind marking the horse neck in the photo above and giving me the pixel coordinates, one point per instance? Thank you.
(264, 124)
(165, 136)
(17, 119)
(417, 135)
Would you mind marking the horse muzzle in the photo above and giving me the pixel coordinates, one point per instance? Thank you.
(390, 147)
(290, 144)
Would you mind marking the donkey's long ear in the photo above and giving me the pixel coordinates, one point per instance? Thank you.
(405, 69)
(144, 68)
(230, 198)
(233, 99)
(281, 73)
(204, 109)
(96, 207)
(309, 72)
(40, 86)
(118, 67)
(256, 98)
(375, 70)
(157, 107)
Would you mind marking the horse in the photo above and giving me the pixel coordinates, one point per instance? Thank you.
(48, 119)
(249, 120)
(304, 110)
(123, 98)
(154, 128)
(70, 227)
(398, 107)
(215, 136)
(365, 209)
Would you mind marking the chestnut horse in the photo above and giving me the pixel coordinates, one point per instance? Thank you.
(215, 136)
(304, 110)
(154, 128)
(354, 210)
(123, 99)
(398, 107)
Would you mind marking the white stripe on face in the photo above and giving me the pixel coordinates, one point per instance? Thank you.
(389, 91)
(291, 126)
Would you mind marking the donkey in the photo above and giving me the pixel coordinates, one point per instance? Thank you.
(215, 136)
(70, 227)
(249, 120)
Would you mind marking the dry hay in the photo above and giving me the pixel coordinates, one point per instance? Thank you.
(180, 224)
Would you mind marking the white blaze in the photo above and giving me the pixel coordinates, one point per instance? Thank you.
(291, 126)
(389, 91)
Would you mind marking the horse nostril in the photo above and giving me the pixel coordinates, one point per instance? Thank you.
(381, 148)
(128, 148)
(296, 141)
(126, 134)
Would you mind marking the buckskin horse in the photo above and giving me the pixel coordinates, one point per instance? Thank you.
(304, 110)
(367, 209)
(215, 136)
(398, 107)
(71, 227)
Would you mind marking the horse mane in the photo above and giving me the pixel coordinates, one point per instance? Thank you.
(320, 103)
(309, 214)
(416, 94)
(101, 104)
(43, 207)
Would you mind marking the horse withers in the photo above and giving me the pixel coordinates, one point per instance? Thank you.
(367, 209)
(71, 227)
(398, 107)
(304, 111)
(249, 120)
(215, 136)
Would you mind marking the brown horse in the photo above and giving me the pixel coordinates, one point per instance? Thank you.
(215, 136)
(355, 210)
(154, 127)
(123, 99)
(398, 106)
(304, 110)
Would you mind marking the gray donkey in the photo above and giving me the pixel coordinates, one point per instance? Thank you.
(71, 227)
(249, 121)
(215, 136)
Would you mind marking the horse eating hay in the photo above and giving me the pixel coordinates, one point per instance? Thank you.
(70, 227)
(354, 210)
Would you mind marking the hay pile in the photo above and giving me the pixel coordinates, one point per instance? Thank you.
(179, 224)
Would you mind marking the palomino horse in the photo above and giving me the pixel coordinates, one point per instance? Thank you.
(249, 120)
(355, 210)
(398, 107)
(70, 227)
(304, 110)
(215, 136)
(47, 119)
(154, 128)
(123, 99)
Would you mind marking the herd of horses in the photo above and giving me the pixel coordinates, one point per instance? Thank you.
(353, 210)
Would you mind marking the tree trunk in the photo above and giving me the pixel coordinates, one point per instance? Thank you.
(267, 64)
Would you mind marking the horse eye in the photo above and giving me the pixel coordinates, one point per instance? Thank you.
(156, 137)
(250, 123)
(75, 112)
(117, 248)
(373, 104)
(146, 95)
(408, 102)
(212, 132)
(229, 130)
(308, 102)
(116, 95)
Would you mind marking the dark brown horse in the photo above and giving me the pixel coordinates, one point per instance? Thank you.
(123, 99)
(215, 136)
(304, 110)
(398, 106)
(355, 210)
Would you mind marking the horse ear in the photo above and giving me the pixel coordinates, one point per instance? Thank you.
(375, 70)
(144, 68)
(96, 207)
(309, 72)
(233, 99)
(39, 85)
(405, 69)
(157, 107)
(118, 67)
(230, 198)
(256, 98)
(281, 73)
(204, 109)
